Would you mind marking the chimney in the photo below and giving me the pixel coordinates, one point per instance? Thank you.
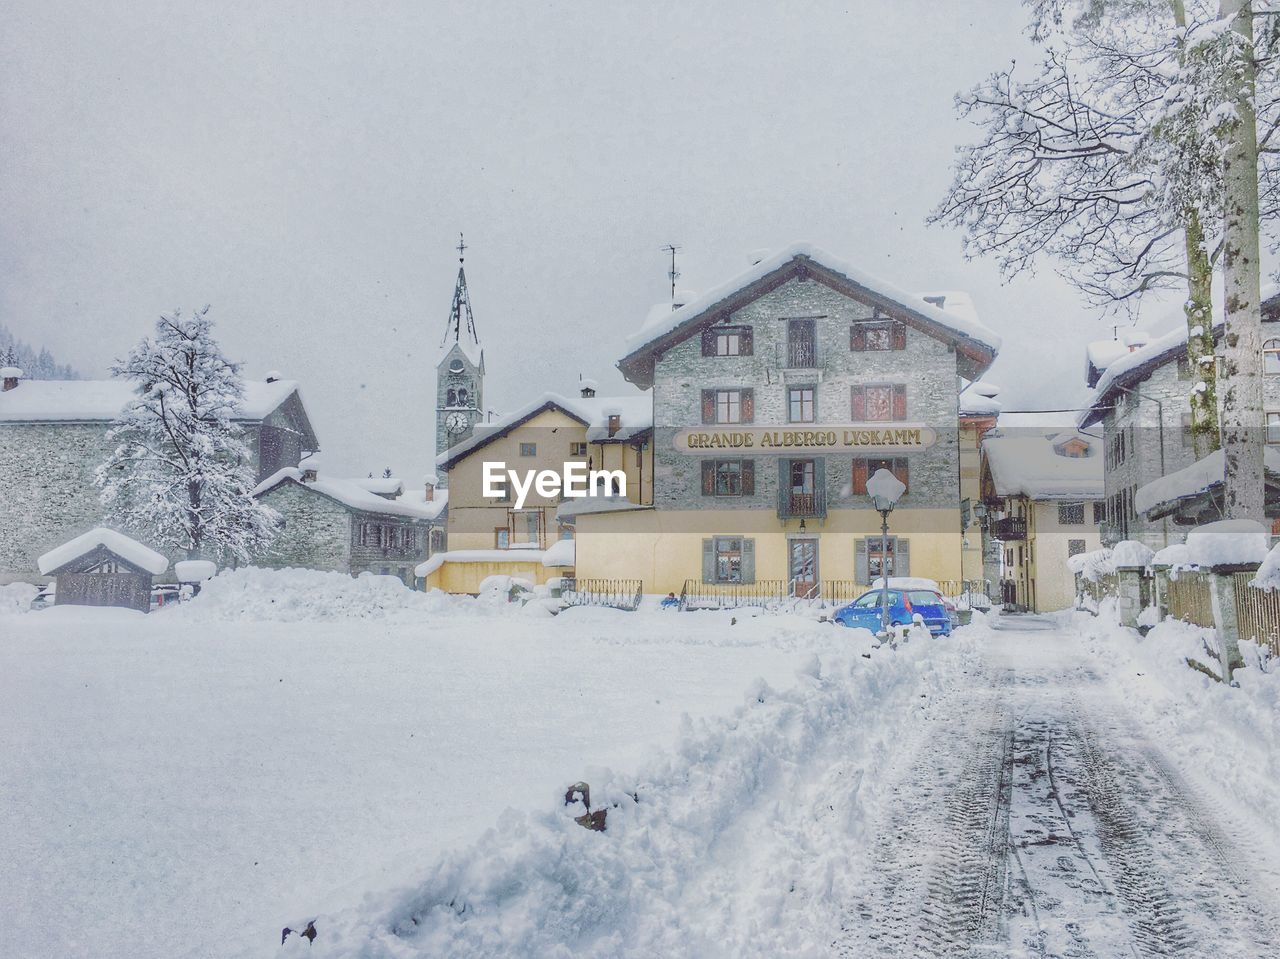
(10, 375)
(429, 488)
(310, 468)
(615, 423)
(273, 376)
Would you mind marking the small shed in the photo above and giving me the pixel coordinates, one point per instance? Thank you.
(103, 568)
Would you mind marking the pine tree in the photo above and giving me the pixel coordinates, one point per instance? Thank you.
(182, 474)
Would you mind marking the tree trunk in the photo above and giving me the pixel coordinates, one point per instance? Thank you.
(1201, 360)
(1242, 420)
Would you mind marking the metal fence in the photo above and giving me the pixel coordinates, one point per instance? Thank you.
(616, 593)
(765, 592)
(1257, 612)
(1189, 598)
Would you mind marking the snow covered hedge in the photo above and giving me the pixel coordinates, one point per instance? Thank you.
(17, 597)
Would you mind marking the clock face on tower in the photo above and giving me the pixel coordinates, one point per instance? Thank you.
(457, 422)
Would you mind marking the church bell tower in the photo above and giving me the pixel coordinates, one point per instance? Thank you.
(460, 370)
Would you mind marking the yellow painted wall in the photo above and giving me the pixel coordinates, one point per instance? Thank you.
(971, 431)
(1055, 584)
(664, 547)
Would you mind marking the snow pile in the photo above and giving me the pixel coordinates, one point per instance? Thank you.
(1130, 554)
(560, 553)
(1269, 572)
(195, 570)
(1175, 555)
(734, 820)
(1093, 565)
(251, 594)
(1228, 542)
(17, 597)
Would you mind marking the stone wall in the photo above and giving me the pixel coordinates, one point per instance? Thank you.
(927, 366)
(316, 533)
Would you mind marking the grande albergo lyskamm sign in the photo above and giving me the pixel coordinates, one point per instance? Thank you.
(849, 438)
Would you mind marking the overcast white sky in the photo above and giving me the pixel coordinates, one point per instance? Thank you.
(306, 167)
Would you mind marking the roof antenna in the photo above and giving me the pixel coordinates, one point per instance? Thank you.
(673, 273)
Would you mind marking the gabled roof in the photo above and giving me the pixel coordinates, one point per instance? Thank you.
(123, 546)
(976, 345)
(350, 494)
(1029, 463)
(1201, 483)
(635, 415)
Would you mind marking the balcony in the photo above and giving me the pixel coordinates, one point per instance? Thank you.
(1009, 528)
(802, 505)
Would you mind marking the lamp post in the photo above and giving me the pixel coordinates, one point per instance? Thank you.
(885, 490)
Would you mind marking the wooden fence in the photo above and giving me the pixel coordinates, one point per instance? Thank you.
(616, 593)
(1257, 612)
(1189, 598)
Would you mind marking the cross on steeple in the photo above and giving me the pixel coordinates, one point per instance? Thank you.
(461, 306)
(461, 248)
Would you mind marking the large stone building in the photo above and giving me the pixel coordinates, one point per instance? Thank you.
(53, 435)
(1141, 404)
(774, 398)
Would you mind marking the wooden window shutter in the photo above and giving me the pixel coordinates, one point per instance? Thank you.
(861, 568)
(708, 406)
(708, 477)
(858, 337)
(900, 401)
(708, 342)
(746, 342)
(708, 560)
(901, 557)
(748, 561)
(899, 335)
(748, 400)
(820, 479)
(900, 470)
(748, 477)
(859, 411)
(860, 476)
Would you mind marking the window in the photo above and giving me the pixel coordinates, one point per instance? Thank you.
(728, 406)
(1071, 514)
(881, 403)
(501, 537)
(1273, 427)
(802, 346)
(1271, 357)
(865, 467)
(1099, 512)
(528, 449)
(878, 335)
(728, 568)
(880, 557)
(728, 478)
(577, 449)
(727, 341)
(1074, 547)
(800, 408)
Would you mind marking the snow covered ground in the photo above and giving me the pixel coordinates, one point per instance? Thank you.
(184, 783)
(187, 783)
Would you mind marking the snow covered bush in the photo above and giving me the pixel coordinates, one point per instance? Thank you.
(251, 594)
(17, 597)
(1092, 566)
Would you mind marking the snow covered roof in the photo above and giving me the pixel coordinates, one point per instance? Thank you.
(979, 399)
(11, 373)
(583, 505)
(1162, 495)
(1032, 464)
(635, 415)
(1228, 542)
(665, 327)
(560, 553)
(123, 546)
(78, 401)
(350, 493)
(381, 485)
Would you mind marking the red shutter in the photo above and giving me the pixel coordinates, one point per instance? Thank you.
(859, 476)
(748, 406)
(747, 342)
(708, 477)
(900, 401)
(858, 337)
(899, 335)
(900, 470)
(859, 403)
(708, 406)
(748, 477)
(708, 343)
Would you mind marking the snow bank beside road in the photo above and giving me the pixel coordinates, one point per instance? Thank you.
(737, 843)
(17, 597)
(305, 595)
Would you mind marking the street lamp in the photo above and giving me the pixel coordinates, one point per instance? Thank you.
(885, 490)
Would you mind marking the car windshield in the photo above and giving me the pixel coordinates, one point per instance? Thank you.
(924, 597)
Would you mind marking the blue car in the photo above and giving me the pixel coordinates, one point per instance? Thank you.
(903, 605)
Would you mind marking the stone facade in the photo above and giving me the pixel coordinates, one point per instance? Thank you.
(460, 396)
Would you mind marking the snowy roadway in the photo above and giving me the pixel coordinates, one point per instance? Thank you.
(1034, 818)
